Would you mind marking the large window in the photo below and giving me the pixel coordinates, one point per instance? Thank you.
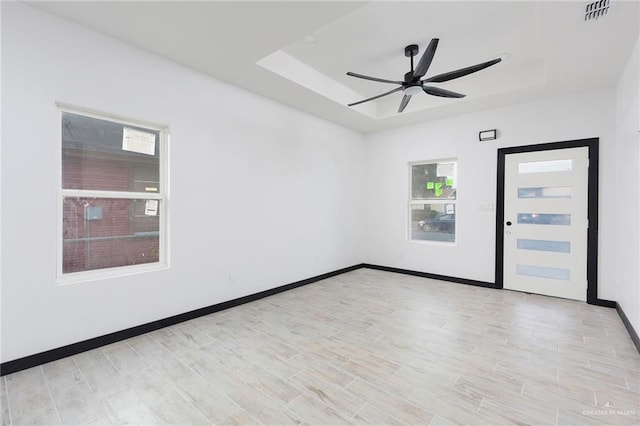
(112, 195)
(432, 206)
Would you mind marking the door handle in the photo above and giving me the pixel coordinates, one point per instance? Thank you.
(508, 223)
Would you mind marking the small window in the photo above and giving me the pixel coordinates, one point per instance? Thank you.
(432, 207)
(112, 195)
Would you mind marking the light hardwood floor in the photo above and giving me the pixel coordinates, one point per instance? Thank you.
(366, 347)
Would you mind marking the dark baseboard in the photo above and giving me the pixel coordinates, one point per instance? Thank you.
(602, 302)
(432, 276)
(627, 324)
(96, 342)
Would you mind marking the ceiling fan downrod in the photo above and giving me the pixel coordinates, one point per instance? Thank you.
(410, 51)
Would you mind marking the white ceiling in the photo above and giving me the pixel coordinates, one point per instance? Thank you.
(552, 49)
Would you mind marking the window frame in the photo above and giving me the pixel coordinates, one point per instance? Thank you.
(413, 202)
(162, 196)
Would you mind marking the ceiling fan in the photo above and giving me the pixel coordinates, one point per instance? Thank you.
(412, 83)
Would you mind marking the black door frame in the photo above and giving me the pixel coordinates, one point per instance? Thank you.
(592, 211)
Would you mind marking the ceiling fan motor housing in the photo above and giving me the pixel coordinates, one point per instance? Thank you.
(410, 78)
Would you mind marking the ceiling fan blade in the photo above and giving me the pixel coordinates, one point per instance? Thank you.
(404, 102)
(376, 97)
(366, 77)
(427, 57)
(461, 72)
(436, 91)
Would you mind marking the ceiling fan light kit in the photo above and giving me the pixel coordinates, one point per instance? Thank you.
(412, 90)
(413, 82)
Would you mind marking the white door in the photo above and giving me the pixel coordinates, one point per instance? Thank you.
(545, 222)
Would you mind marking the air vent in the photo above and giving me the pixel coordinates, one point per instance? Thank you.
(596, 9)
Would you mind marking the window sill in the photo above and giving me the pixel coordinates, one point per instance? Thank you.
(109, 273)
(434, 242)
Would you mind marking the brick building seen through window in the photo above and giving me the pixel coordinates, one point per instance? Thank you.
(111, 194)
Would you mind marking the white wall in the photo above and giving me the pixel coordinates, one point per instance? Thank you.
(473, 256)
(282, 191)
(628, 189)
